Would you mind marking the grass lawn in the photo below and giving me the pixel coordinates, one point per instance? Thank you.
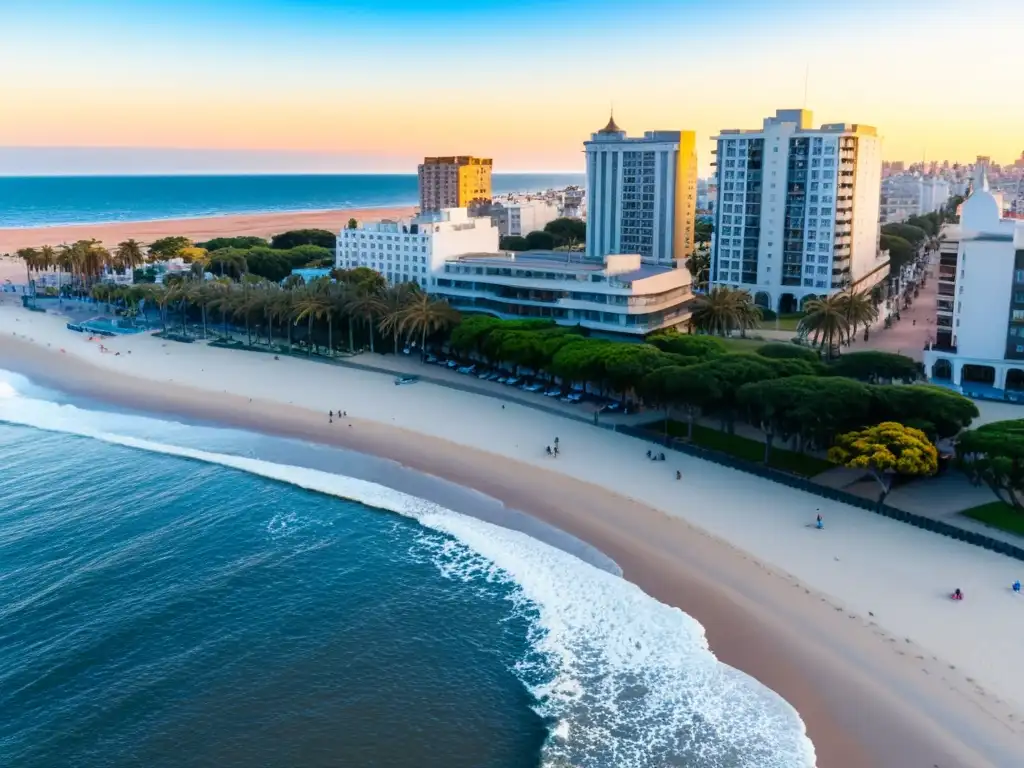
(1000, 515)
(750, 450)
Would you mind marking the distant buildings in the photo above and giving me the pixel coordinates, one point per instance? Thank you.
(641, 194)
(979, 338)
(908, 195)
(798, 207)
(618, 294)
(413, 250)
(454, 182)
(518, 216)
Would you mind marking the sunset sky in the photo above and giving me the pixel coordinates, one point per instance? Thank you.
(373, 85)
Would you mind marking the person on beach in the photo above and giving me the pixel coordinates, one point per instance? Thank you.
(547, 450)
(330, 414)
(1016, 586)
(649, 453)
(957, 594)
(679, 475)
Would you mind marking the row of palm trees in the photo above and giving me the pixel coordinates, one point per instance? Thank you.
(828, 322)
(84, 260)
(401, 313)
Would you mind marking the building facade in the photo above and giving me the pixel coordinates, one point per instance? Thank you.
(617, 295)
(798, 208)
(908, 195)
(454, 182)
(519, 218)
(641, 194)
(979, 337)
(411, 251)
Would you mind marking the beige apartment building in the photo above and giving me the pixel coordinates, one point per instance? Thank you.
(462, 181)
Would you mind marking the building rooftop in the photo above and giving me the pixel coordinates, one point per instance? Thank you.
(556, 261)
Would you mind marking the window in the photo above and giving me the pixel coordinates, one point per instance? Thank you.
(1018, 276)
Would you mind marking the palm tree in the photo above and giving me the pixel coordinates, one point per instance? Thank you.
(283, 311)
(723, 309)
(182, 292)
(364, 304)
(129, 255)
(161, 299)
(859, 310)
(312, 304)
(699, 266)
(245, 303)
(424, 315)
(31, 258)
(825, 319)
(391, 303)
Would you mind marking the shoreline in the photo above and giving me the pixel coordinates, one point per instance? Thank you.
(863, 699)
(197, 228)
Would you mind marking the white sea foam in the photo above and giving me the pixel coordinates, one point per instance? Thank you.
(622, 679)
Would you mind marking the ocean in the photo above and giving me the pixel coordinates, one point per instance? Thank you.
(40, 201)
(176, 594)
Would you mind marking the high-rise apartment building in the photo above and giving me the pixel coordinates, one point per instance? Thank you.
(454, 182)
(641, 194)
(798, 207)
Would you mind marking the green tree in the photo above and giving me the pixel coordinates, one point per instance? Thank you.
(391, 303)
(946, 411)
(292, 238)
(825, 323)
(703, 228)
(993, 454)
(352, 224)
(783, 351)
(128, 255)
(916, 236)
(723, 310)
(243, 242)
(687, 344)
(541, 241)
(900, 251)
(513, 243)
(859, 309)
(875, 366)
(312, 304)
(887, 450)
(166, 248)
(426, 315)
(699, 267)
(566, 230)
(688, 389)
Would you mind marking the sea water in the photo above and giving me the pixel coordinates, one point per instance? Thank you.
(40, 201)
(169, 598)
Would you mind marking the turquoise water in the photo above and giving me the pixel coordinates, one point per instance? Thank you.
(36, 201)
(173, 594)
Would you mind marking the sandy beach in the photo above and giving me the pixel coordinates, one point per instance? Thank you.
(199, 229)
(852, 625)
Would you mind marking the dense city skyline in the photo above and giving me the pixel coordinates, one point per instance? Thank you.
(340, 86)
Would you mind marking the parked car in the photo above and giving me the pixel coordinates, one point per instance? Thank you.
(452, 363)
(399, 380)
(430, 359)
(534, 388)
(575, 397)
(467, 369)
(512, 381)
(553, 392)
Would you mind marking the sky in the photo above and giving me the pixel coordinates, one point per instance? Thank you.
(114, 86)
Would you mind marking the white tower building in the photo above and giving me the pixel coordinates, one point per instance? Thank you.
(641, 194)
(798, 208)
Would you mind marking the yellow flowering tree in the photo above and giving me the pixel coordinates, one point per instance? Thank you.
(886, 450)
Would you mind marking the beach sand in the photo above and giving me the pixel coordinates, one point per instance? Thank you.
(198, 229)
(851, 625)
